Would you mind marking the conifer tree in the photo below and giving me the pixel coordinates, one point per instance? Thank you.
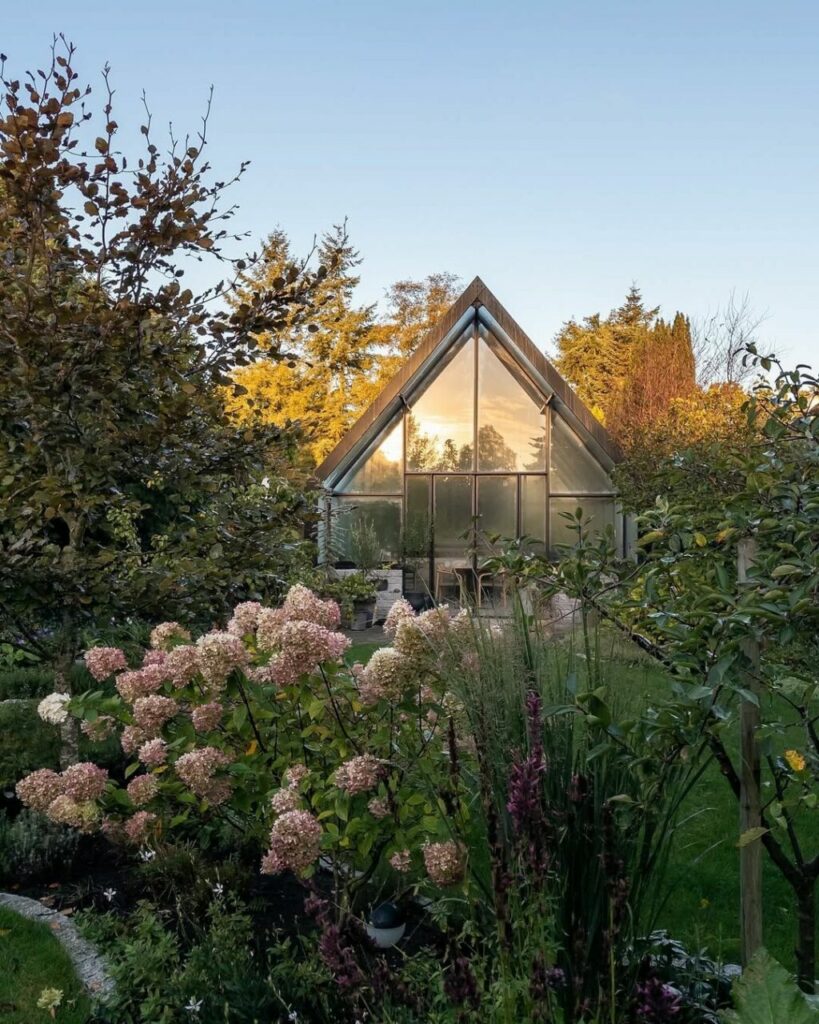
(325, 376)
(630, 366)
(413, 309)
(329, 366)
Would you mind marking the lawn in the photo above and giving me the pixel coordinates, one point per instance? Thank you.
(703, 908)
(33, 960)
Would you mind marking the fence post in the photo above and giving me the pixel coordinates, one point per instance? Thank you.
(750, 804)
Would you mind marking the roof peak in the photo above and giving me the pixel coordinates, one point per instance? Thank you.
(476, 295)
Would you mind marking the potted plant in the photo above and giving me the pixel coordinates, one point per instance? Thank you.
(415, 545)
(365, 547)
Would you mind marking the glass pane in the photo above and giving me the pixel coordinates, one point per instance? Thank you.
(416, 539)
(511, 426)
(453, 516)
(381, 471)
(574, 468)
(533, 507)
(599, 510)
(440, 423)
(497, 507)
(366, 531)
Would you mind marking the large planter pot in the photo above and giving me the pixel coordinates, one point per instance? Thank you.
(386, 925)
(419, 600)
(362, 615)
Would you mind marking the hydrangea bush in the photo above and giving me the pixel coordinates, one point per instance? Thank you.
(262, 724)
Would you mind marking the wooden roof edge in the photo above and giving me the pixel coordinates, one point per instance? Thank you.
(475, 294)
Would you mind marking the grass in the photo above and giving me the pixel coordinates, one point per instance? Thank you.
(703, 874)
(361, 652)
(33, 960)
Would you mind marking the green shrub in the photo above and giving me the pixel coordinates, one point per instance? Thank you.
(26, 683)
(31, 846)
(216, 975)
(26, 742)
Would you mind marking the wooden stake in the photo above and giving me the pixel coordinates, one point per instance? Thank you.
(750, 803)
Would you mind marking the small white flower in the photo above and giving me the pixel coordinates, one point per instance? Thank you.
(193, 1005)
(109, 894)
(54, 708)
(218, 889)
(293, 1017)
(146, 855)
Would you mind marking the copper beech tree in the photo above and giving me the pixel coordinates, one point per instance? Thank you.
(124, 489)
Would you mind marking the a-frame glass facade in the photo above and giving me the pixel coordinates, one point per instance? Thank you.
(477, 450)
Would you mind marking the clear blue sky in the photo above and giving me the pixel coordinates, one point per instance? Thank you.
(558, 150)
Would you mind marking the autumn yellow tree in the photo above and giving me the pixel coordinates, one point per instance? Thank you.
(329, 371)
(336, 367)
(412, 310)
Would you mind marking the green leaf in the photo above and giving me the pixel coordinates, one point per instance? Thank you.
(767, 994)
(751, 836)
(787, 569)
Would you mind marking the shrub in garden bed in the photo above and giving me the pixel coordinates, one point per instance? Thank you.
(25, 683)
(459, 766)
(33, 847)
(26, 742)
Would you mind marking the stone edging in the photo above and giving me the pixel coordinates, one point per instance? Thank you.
(88, 964)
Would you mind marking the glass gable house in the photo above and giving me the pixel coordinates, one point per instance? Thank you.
(477, 438)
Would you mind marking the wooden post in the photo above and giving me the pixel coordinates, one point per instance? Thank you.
(750, 803)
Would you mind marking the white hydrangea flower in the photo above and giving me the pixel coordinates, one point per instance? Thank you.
(54, 708)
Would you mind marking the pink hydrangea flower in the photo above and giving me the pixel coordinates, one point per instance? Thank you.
(422, 639)
(378, 807)
(166, 634)
(131, 738)
(445, 862)
(245, 618)
(151, 713)
(153, 753)
(295, 774)
(399, 611)
(269, 628)
(100, 729)
(303, 647)
(386, 676)
(82, 815)
(140, 682)
(401, 861)
(39, 789)
(181, 664)
(143, 789)
(152, 657)
(138, 827)
(206, 717)
(219, 655)
(284, 800)
(197, 768)
(295, 843)
(304, 605)
(84, 781)
(359, 774)
(102, 662)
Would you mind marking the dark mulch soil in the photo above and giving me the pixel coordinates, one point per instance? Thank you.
(276, 903)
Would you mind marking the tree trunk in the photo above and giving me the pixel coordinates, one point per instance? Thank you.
(69, 730)
(750, 802)
(806, 941)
